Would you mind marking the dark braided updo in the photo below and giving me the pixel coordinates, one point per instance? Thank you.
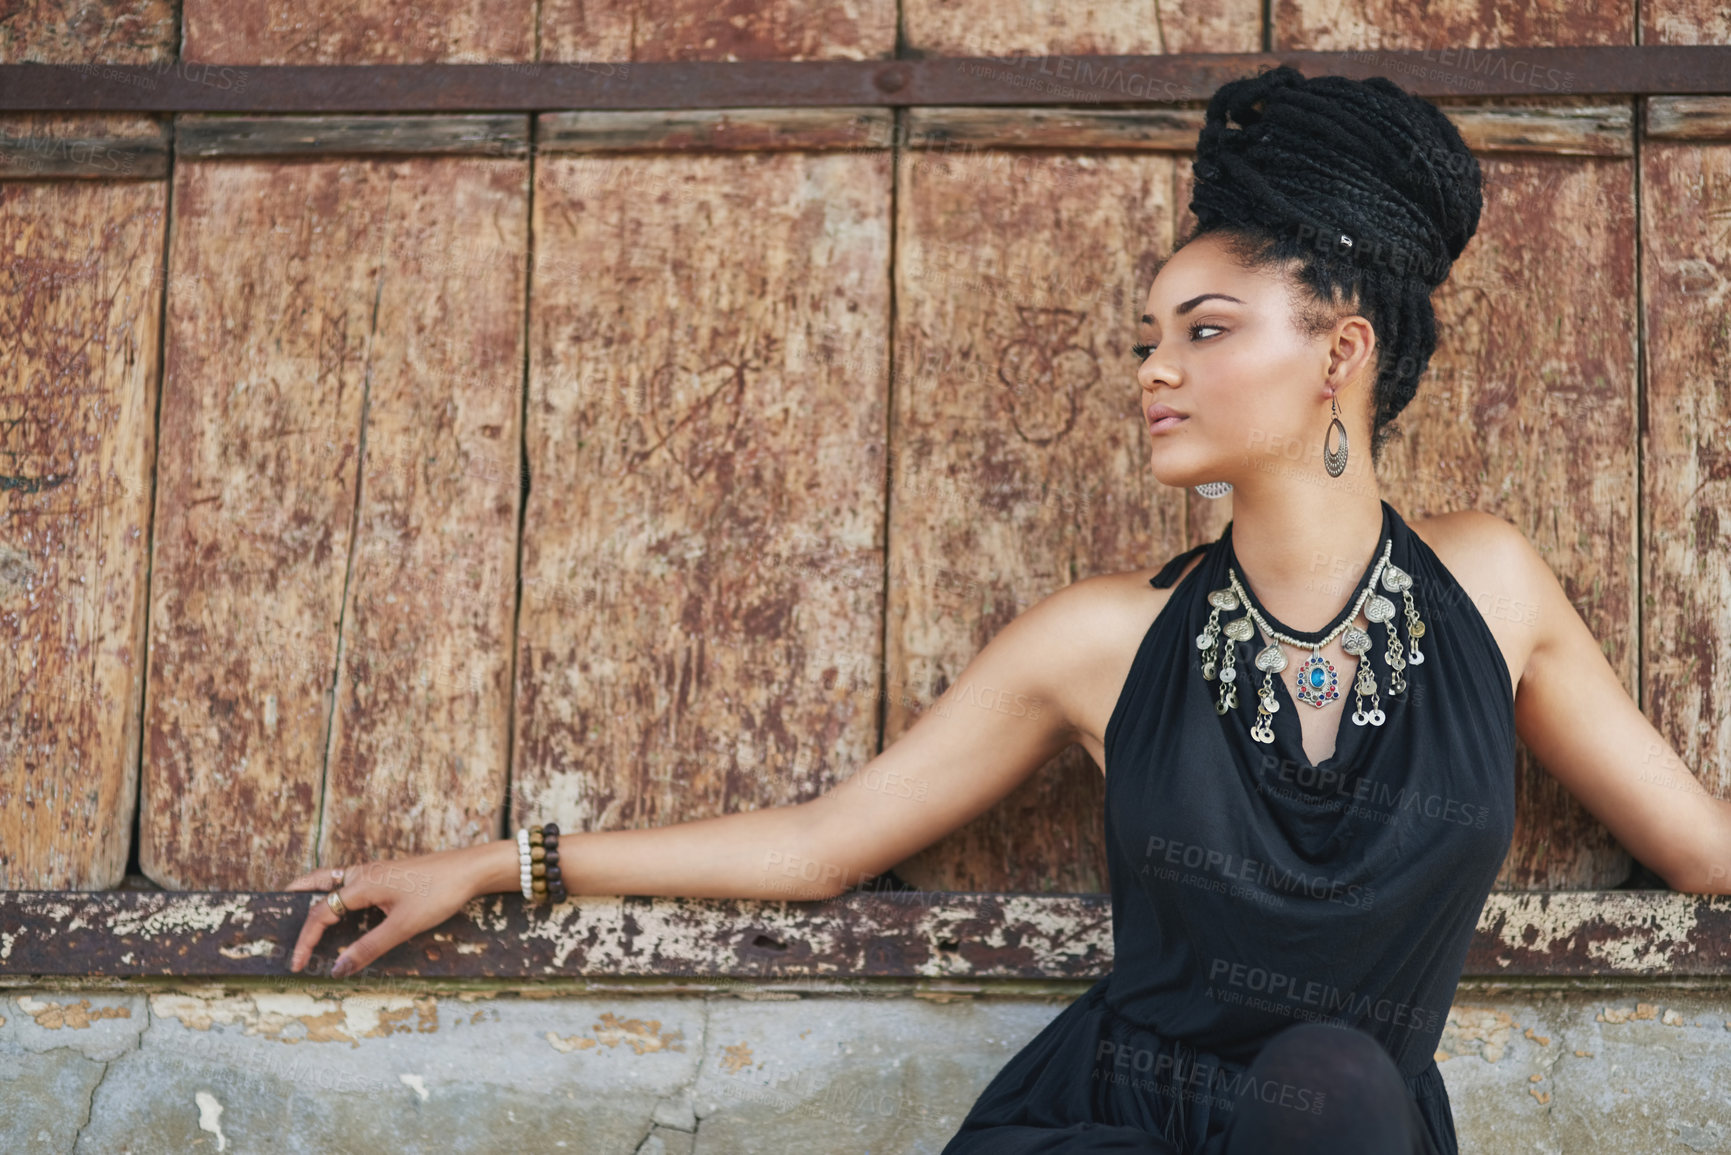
(1304, 162)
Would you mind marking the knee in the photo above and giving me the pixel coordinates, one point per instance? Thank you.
(1332, 1059)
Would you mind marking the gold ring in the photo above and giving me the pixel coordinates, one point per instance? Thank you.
(335, 902)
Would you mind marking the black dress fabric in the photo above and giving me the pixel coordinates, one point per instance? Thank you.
(1252, 890)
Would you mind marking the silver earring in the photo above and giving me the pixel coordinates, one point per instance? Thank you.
(1215, 489)
(1334, 460)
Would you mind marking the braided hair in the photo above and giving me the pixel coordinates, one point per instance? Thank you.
(1364, 192)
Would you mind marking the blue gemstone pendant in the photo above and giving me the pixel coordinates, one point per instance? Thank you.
(1318, 684)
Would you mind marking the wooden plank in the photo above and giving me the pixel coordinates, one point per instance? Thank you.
(1528, 411)
(96, 146)
(205, 135)
(1020, 455)
(112, 31)
(419, 747)
(946, 944)
(276, 272)
(1570, 126)
(1699, 118)
(711, 130)
(389, 293)
(1027, 28)
(1160, 129)
(1686, 474)
(1578, 125)
(82, 269)
(337, 32)
(657, 30)
(703, 544)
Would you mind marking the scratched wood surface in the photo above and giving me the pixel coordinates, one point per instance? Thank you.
(111, 31)
(1686, 579)
(1021, 461)
(702, 561)
(1449, 28)
(649, 30)
(1685, 22)
(80, 294)
(308, 299)
(1032, 28)
(338, 32)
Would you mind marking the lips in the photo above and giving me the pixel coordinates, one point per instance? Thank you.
(1163, 417)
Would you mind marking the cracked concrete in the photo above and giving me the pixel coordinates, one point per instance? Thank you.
(1538, 1068)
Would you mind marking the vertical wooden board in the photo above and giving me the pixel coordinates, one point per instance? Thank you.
(651, 30)
(419, 742)
(80, 299)
(1021, 458)
(112, 31)
(1035, 27)
(275, 274)
(241, 32)
(1685, 22)
(702, 562)
(1448, 30)
(1686, 586)
(1528, 411)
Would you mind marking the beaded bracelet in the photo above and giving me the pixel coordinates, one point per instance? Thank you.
(538, 859)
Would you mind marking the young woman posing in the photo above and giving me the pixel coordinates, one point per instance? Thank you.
(1307, 726)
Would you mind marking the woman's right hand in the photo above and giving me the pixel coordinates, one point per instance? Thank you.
(416, 894)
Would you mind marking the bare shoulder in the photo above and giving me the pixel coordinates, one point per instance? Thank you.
(1107, 617)
(1500, 571)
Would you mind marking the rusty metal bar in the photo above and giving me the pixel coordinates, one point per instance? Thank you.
(909, 934)
(1129, 81)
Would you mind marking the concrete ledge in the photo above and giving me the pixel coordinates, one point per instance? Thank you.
(1611, 1066)
(916, 934)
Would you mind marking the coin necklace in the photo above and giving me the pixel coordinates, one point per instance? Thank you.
(1316, 682)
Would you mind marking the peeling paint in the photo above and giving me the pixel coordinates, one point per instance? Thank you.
(296, 1018)
(76, 1016)
(642, 1036)
(1481, 1031)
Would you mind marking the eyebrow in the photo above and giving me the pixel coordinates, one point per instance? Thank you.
(1192, 303)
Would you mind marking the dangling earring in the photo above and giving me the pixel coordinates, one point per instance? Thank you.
(1214, 489)
(1334, 460)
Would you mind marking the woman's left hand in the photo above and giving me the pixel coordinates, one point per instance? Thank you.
(416, 894)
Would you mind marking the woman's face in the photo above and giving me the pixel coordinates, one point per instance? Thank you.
(1225, 351)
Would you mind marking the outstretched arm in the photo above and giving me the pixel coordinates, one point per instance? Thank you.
(1573, 713)
(1010, 712)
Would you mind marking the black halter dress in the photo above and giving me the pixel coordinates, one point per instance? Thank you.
(1252, 890)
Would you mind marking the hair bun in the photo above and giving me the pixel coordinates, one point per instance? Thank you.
(1330, 155)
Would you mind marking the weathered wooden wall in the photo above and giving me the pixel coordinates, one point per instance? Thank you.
(803, 419)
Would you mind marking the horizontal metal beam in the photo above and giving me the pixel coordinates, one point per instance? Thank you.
(905, 934)
(1129, 81)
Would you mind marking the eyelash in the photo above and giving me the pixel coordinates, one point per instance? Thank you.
(1142, 351)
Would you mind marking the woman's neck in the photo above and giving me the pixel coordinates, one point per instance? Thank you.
(1301, 548)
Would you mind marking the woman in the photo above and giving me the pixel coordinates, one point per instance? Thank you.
(1308, 725)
